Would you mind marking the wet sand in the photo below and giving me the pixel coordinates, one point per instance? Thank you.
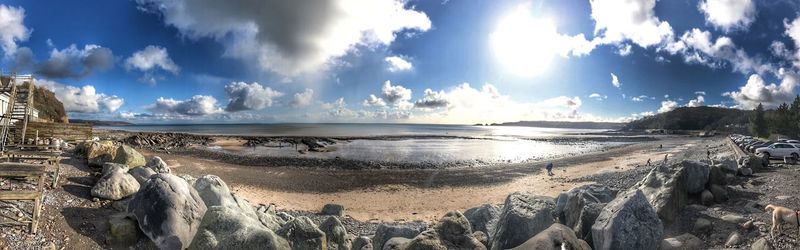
(418, 194)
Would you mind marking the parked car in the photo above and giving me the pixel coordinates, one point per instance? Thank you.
(779, 150)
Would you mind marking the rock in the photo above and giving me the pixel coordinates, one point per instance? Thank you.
(110, 167)
(716, 175)
(734, 218)
(697, 175)
(385, 232)
(706, 197)
(719, 192)
(271, 220)
(335, 233)
(453, 231)
(483, 218)
(589, 214)
(99, 152)
(302, 233)
(188, 178)
(783, 197)
(746, 171)
(751, 161)
(748, 225)
(761, 244)
(396, 243)
(628, 222)
(557, 236)
(701, 226)
(333, 209)
(158, 165)
(122, 230)
(141, 174)
(129, 156)
(682, 242)
(115, 184)
(214, 191)
(733, 239)
(481, 237)
(524, 216)
(729, 166)
(121, 205)
(570, 204)
(362, 243)
(168, 211)
(665, 189)
(229, 228)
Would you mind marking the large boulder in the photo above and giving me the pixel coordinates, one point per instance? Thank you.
(682, 242)
(396, 243)
(158, 165)
(570, 204)
(362, 243)
(129, 156)
(214, 191)
(719, 192)
(122, 231)
(453, 231)
(333, 209)
(141, 174)
(665, 189)
(385, 232)
(302, 233)
(589, 213)
(228, 228)
(483, 218)
(336, 234)
(270, 219)
(751, 161)
(628, 222)
(168, 211)
(716, 175)
(728, 165)
(99, 152)
(524, 215)
(697, 175)
(556, 237)
(115, 184)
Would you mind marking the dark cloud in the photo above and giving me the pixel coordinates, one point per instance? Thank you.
(73, 62)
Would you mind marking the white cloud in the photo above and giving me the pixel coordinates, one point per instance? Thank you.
(615, 80)
(398, 64)
(598, 97)
(12, 28)
(667, 106)
(700, 93)
(74, 62)
(338, 109)
(291, 37)
(151, 58)
(302, 98)
(198, 105)
(697, 102)
(698, 47)
(432, 100)
(756, 91)
(729, 14)
(640, 98)
(82, 100)
(396, 95)
(253, 96)
(635, 20)
(374, 101)
(793, 31)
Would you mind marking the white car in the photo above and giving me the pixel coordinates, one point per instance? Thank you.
(779, 150)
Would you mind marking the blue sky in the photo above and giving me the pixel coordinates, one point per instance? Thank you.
(186, 61)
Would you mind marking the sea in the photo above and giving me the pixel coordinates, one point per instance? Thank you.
(415, 143)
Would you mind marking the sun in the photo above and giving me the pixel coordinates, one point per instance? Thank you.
(524, 45)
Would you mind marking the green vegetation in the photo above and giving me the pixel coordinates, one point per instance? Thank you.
(694, 118)
(50, 108)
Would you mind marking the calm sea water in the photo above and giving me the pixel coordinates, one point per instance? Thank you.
(494, 144)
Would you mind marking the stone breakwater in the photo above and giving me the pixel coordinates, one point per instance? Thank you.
(160, 209)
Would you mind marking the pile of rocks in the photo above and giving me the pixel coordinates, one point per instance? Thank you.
(166, 140)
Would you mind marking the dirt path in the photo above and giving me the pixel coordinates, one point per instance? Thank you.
(406, 195)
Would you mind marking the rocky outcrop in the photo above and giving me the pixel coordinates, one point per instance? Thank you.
(696, 175)
(99, 152)
(385, 232)
(556, 237)
(214, 191)
(453, 231)
(115, 184)
(524, 215)
(228, 228)
(128, 156)
(141, 174)
(168, 211)
(336, 234)
(302, 233)
(681, 242)
(483, 218)
(666, 191)
(628, 222)
(158, 165)
(580, 206)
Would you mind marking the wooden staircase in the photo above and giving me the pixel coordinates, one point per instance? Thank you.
(19, 88)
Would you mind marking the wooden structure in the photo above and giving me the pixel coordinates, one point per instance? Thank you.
(71, 132)
(34, 171)
(20, 89)
(46, 157)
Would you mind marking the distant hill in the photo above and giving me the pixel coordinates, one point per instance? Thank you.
(564, 124)
(100, 123)
(693, 118)
(50, 108)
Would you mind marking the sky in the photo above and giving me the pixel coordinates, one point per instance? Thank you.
(395, 61)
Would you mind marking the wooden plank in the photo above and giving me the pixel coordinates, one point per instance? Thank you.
(15, 169)
(19, 195)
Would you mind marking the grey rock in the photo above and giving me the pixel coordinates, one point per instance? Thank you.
(569, 204)
(453, 231)
(706, 198)
(746, 171)
(362, 243)
(115, 184)
(141, 174)
(481, 237)
(188, 178)
(385, 232)
(665, 189)
(682, 242)
(129, 156)
(555, 237)
(761, 244)
(302, 233)
(729, 166)
(336, 234)
(697, 175)
(168, 211)
(122, 231)
(110, 167)
(396, 243)
(701, 226)
(716, 175)
(734, 239)
(228, 228)
(734, 218)
(524, 216)
(628, 222)
(483, 218)
(214, 191)
(333, 209)
(589, 214)
(99, 152)
(719, 192)
(158, 165)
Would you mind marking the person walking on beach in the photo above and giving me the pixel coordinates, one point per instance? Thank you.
(665, 158)
(708, 154)
(549, 168)
(648, 162)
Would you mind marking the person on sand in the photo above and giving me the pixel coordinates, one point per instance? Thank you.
(708, 154)
(648, 162)
(665, 158)
(549, 168)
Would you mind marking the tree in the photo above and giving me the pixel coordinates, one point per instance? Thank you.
(794, 109)
(780, 121)
(758, 125)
